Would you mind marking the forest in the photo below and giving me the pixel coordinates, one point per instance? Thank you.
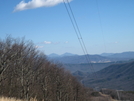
(26, 73)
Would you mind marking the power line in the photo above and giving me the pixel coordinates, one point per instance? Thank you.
(81, 40)
(78, 33)
(102, 32)
(74, 26)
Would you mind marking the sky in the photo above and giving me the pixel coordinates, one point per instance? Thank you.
(106, 26)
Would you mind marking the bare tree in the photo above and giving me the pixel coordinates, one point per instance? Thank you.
(26, 73)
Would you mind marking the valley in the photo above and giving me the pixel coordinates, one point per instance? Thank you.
(113, 70)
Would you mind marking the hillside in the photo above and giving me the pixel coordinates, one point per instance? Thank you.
(26, 74)
(117, 76)
(85, 67)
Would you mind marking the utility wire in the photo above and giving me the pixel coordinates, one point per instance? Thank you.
(74, 26)
(81, 38)
(78, 33)
(76, 29)
(83, 43)
(102, 32)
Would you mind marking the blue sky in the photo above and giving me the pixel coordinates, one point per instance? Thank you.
(106, 25)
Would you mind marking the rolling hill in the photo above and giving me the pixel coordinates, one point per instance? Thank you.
(85, 67)
(117, 76)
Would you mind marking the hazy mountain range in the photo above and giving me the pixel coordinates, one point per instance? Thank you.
(127, 55)
(69, 58)
(63, 55)
(113, 70)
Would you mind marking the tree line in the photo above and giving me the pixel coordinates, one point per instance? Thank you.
(26, 73)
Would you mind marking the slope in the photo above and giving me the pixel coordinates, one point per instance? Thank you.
(117, 76)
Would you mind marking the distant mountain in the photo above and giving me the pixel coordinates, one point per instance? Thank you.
(117, 76)
(78, 59)
(53, 55)
(67, 54)
(79, 73)
(106, 54)
(125, 55)
(69, 58)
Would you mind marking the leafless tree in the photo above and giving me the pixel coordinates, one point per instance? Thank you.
(26, 73)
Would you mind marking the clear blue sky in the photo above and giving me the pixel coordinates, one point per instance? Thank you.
(108, 27)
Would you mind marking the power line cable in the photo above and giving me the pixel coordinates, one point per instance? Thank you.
(88, 59)
(75, 25)
(79, 38)
(102, 32)
(78, 33)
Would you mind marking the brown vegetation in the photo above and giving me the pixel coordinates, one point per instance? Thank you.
(122, 95)
(14, 99)
(25, 73)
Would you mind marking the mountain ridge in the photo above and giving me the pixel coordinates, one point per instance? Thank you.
(62, 55)
(116, 76)
(78, 59)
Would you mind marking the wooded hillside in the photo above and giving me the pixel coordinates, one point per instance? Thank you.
(25, 74)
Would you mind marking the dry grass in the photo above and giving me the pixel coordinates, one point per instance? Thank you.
(100, 99)
(13, 99)
(103, 97)
(8, 99)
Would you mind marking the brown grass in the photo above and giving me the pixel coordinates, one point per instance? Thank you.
(100, 99)
(14, 99)
(8, 99)
(103, 97)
